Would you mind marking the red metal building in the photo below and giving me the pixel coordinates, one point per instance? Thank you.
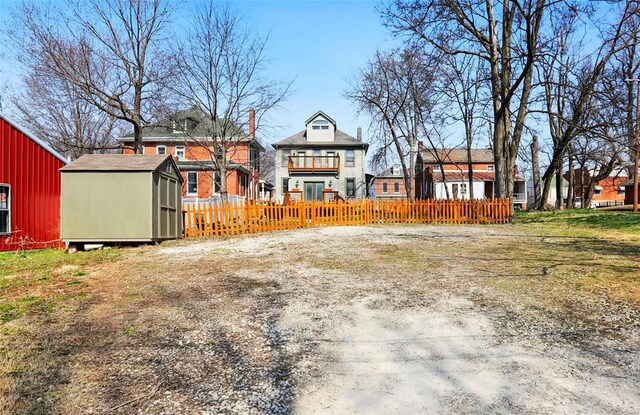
(29, 190)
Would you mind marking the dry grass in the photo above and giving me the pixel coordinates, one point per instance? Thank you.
(194, 332)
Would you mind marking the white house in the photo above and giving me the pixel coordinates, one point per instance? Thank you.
(321, 160)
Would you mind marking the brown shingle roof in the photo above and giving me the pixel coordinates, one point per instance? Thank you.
(457, 155)
(117, 162)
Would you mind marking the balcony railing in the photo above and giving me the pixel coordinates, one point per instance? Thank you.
(314, 164)
(519, 198)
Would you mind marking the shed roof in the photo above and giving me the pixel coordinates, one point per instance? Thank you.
(118, 162)
(457, 155)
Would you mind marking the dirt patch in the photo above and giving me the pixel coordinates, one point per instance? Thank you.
(379, 319)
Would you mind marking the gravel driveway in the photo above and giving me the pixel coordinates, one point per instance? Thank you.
(369, 327)
(342, 320)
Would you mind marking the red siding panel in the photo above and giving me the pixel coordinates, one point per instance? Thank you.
(34, 176)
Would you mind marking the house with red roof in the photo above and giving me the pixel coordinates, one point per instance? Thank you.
(446, 171)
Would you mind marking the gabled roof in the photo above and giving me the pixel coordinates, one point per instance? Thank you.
(457, 155)
(389, 172)
(320, 112)
(341, 139)
(41, 143)
(119, 162)
(163, 131)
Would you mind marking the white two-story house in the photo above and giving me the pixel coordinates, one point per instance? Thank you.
(321, 160)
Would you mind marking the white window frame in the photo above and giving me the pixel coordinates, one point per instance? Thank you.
(491, 167)
(352, 162)
(161, 146)
(188, 174)
(8, 208)
(184, 153)
(352, 180)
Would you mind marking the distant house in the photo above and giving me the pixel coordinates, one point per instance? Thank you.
(321, 160)
(389, 184)
(551, 198)
(184, 135)
(29, 190)
(608, 191)
(430, 183)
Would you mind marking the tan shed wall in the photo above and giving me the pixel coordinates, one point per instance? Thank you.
(103, 206)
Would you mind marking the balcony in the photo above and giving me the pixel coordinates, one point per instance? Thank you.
(314, 164)
(519, 198)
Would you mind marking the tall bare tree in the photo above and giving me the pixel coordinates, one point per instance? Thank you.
(505, 35)
(394, 89)
(571, 102)
(221, 71)
(111, 51)
(462, 81)
(55, 110)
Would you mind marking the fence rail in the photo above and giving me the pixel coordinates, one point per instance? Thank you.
(212, 219)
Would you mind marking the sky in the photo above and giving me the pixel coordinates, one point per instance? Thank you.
(318, 45)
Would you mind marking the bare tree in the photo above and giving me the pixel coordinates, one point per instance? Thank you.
(570, 103)
(506, 38)
(221, 73)
(462, 81)
(56, 110)
(394, 90)
(111, 51)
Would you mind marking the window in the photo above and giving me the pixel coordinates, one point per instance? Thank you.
(490, 167)
(192, 183)
(385, 187)
(5, 209)
(351, 158)
(316, 153)
(351, 187)
(463, 189)
(597, 191)
(285, 185)
(620, 190)
(161, 150)
(285, 157)
(180, 152)
(320, 125)
(254, 159)
(216, 182)
(436, 168)
(396, 187)
(454, 190)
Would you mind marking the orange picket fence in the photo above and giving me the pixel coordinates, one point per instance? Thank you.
(209, 219)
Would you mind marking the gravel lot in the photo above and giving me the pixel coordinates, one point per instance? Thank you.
(367, 320)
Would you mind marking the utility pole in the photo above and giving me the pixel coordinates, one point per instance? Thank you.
(637, 149)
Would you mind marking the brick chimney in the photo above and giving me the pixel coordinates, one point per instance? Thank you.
(252, 122)
(359, 135)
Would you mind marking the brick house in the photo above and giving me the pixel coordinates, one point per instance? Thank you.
(389, 184)
(183, 135)
(608, 191)
(429, 183)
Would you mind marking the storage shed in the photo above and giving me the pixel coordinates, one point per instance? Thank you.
(121, 198)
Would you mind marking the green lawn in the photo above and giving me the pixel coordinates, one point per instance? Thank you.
(582, 222)
(36, 281)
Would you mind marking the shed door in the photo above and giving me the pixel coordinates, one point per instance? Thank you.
(168, 208)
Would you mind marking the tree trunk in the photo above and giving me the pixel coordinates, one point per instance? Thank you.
(559, 195)
(469, 164)
(571, 193)
(535, 164)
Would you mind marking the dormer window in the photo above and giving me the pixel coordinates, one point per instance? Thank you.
(320, 125)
